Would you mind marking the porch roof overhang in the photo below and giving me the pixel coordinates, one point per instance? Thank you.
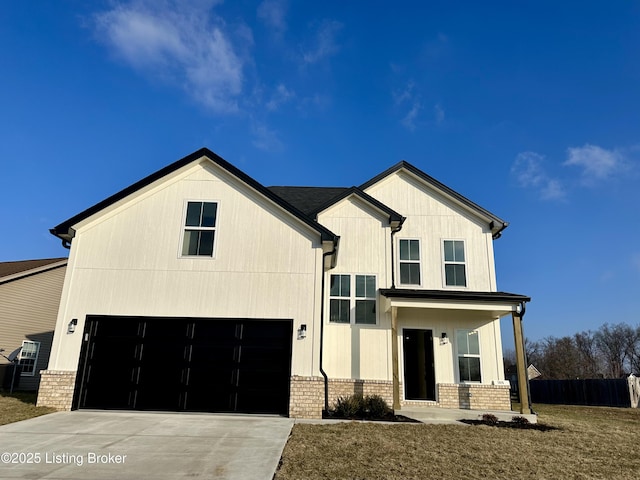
(493, 304)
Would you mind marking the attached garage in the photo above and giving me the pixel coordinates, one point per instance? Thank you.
(185, 364)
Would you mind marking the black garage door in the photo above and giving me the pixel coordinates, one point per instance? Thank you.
(185, 364)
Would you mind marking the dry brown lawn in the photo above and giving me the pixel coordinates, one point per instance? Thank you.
(587, 443)
(20, 406)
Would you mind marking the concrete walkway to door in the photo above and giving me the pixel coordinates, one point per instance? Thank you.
(138, 445)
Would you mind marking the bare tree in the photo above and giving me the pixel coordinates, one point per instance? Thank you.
(616, 344)
(590, 357)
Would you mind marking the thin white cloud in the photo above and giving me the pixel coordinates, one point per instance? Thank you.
(596, 163)
(181, 41)
(528, 171)
(281, 96)
(438, 111)
(409, 120)
(404, 94)
(407, 96)
(273, 13)
(265, 139)
(325, 43)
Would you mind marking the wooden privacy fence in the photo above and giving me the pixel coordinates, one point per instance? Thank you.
(618, 392)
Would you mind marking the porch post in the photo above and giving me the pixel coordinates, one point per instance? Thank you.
(523, 381)
(394, 358)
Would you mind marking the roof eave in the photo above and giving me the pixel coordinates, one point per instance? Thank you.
(65, 231)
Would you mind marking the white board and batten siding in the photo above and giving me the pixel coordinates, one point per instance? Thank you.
(127, 261)
(433, 218)
(358, 351)
(364, 351)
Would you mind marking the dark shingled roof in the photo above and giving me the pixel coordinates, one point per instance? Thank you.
(11, 268)
(308, 199)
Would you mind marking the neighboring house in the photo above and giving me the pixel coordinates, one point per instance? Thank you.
(29, 298)
(199, 289)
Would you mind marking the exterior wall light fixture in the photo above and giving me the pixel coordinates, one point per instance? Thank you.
(72, 325)
(302, 331)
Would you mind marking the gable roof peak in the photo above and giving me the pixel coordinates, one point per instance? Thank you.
(496, 224)
(65, 230)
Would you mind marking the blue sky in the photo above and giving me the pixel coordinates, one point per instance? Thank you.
(530, 109)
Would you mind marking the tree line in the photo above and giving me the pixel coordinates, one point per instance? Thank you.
(612, 351)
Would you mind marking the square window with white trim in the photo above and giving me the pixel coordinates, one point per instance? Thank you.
(409, 261)
(29, 357)
(468, 346)
(455, 268)
(352, 299)
(199, 229)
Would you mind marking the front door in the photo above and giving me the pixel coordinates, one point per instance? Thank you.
(419, 371)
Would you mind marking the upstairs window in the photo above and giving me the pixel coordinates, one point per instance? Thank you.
(409, 262)
(340, 299)
(454, 264)
(366, 299)
(29, 357)
(352, 299)
(199, 229)
(468, 355)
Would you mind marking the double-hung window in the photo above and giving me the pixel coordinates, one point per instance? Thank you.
(365, 299)
(199, 229)
(340, 299)
(409, 262)
(455, 273)
(468, 355)
(29, 357)
(352, 299)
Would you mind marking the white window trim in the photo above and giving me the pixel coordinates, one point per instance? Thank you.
(445, 263)
(352, 299)
(35, 362)
(419, 262)
(183, 227)
(468, 355)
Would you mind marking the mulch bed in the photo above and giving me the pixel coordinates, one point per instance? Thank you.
(541, 427)
(387, 418)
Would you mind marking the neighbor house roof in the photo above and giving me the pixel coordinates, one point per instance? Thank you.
(63, 230)
(22, 268)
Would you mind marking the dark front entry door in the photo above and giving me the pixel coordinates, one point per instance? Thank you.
(419, 372)
(185, 364)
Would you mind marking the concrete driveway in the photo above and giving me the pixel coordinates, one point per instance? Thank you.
(134, 445)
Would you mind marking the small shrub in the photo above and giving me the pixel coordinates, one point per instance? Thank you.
(518, 420)
(376, 407)
(356, 406)
(489, 419)
(349, 407)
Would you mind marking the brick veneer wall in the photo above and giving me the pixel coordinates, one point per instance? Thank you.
(56, 389)
(306, 397)
(490, 397)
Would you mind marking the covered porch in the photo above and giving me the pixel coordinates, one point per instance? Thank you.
(447, 351)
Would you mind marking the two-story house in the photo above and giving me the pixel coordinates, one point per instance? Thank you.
(199, 289)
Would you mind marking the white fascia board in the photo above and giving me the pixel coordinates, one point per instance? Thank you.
(497, 309)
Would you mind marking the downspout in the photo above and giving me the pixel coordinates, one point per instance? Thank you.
(393, 262)
(322, 301)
